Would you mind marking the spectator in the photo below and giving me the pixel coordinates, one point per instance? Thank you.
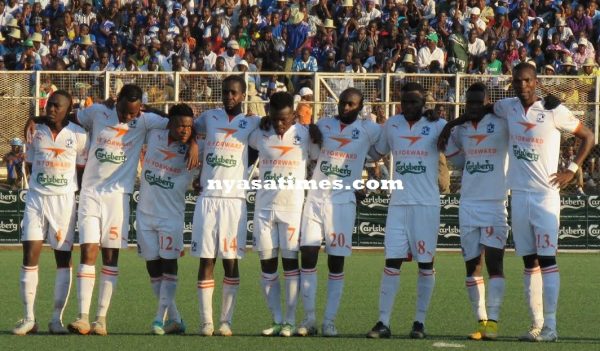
(14, 162)
(430, 53)
(476, 46)
(580, 22)
(304, 111)
(305, 62)
(565, 33)
(297, 38)
(231, 56)
(474, 22)
(582, 53)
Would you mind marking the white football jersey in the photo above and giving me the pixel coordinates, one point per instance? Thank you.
(282, 158)
(54, 161)
(225, 154)
(416, 159)
(114, 147)
(342, 157)
(165, 177)
(534, 142)
(484, 145)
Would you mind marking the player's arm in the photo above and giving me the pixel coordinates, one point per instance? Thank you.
(447, 131)
(585, 135)
(380, 145)
(83, 145)
(454, 152)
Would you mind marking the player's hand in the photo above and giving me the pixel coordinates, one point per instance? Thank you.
(315, 134)
(561, 179)
(443, 138)
(192, 155)
(265, 123)
(551, 102)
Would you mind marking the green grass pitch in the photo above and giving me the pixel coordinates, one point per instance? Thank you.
(449, 321)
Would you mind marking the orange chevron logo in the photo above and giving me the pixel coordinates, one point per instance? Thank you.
(120, 131)
(478, 137)
(528, 126)
(284, 149)
(342, 141)
(55, 150)
(168, 154)
(413, 139)
(229, 131)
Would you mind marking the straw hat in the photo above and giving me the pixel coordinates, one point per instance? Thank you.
(297, 17)
(348, 3)
(36, 37)
(12, 23)
(589, 62)
(85, 40)
(408, 58)
(15, 33)
(329, 23)
(568, 61)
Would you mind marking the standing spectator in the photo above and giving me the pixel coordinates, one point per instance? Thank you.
(580, 22)
(14, 162)
(565, 33)
(305, 62)
(476, 46)
(430, 53)
(230, 56)
(458, 52)
(297, 38)
(210, 58)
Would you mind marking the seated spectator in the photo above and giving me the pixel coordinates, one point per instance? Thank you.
(476, 46)
(429, 53)
(231, 55)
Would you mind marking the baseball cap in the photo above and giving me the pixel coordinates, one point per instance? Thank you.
(582, 41)
(243, 63)
(433, 37)
(476, 11)
(305, 91)
(177, 6)
(233, 44)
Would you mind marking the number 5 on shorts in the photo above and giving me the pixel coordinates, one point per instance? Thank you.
(113, 234)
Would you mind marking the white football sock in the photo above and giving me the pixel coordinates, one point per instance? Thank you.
(532, 281)
(551, 283)
(425, 284)
(86, 277)
(308, 281)
(155, 284)
(168, 289)
(230, 289)
(495, 296)
(476, 291)
(390, 284)
(62, 287)
(205, 295)
(108, 283)
(29, 282)
(335, 287)
(272, 292)
(292, 284)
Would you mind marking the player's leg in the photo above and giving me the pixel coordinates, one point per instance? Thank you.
(206, 287)
(494, 261)
(171, 248)
(289, 244)
(28, 286)
(396, 251)
(231, 284)
(108, 284)
(62, 287)
(154, 269)
(474, 283)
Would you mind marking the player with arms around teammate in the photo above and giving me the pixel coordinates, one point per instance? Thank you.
(57, 154)
(534, 147)
(480, 141)
(330, 213)
(116, 138)
(164, 180)
(414, 214)
(283, 150)
(219, 227)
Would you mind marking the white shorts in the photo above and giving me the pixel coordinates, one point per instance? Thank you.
(535, 223)
(159, 237)
(335, 222)
(219, 228)
(104, 219)
(277, 229)
(50, 217)
(482, 223)
(412, 229)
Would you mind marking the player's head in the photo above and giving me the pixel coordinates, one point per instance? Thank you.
(58, 106)
(181, 121)
(281, 112)
(350, 104)
(477, 99)
(129, 102)
(234, 93)
(412, 100)
(524, 81)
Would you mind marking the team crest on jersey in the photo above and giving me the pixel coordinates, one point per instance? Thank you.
(540, 118)
(69, 143)
(132, 123)
(490, 128)
(297, 140)
(243, 124)
(355, 133)
(181, 149)
(425, 130)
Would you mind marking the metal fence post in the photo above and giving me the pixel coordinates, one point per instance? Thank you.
(38, 87)
(106, 85)
(597, 110)
(316, 97)
(457, 94)
(388, 106)
(176, 92)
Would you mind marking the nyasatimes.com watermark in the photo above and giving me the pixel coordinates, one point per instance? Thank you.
(285, 183)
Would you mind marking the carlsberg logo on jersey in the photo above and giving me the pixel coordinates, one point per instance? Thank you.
(329, 169)
(478, 167)
(570, 232)
(51, 180)
(9, 198)
(524, 154)
(220, 161)
(275, 176)
(371, 229)
(576, 204)
(409, 167)
(157, 180)
(8, 227)
(105, 156)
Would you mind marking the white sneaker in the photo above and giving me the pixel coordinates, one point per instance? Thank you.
(329, 329)
(307, 328)
(25, 326)
(547, 335)
(207, 329)
(274, 330)
(531, 334)
(287, 330)
(225, 329)
(57, 327)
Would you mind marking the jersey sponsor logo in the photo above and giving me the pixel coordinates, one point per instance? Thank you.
(449, 231)
(342, 141)
(284, 149)
(104, 156)
(565, 232)
(8, 227)
(594, 230)
(376, 201)
(524, 154)
(330, 169)
(168, 154)
(410, 168)
(425, 130)
(55, 151)
(413, 139)
(594, 201)
(490, 128)
(371, 229)
(120, 131)
(220, 161)
(355, 134)
(228, 131)
(571, 203)
(528, 126)
(478, 138)
(478, 167)
(9, 198)
(51, 180)
(449, 202)
(276, 176)
(155, 179)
